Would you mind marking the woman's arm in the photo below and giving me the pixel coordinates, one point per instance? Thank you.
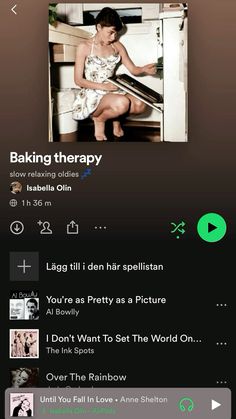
(149, 69)
(81, 54)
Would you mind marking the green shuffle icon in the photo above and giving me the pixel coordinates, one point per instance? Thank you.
(211, 227)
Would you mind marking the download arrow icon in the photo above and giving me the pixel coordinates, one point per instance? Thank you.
(17, 227)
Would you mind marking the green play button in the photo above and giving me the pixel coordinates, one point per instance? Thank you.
(211, 227)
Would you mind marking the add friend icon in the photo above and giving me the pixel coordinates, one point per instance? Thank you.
(72, 228)
(45, 227)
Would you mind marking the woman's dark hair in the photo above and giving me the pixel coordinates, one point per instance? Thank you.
(109, 17)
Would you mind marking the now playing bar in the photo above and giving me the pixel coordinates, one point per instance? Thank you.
(123, 403)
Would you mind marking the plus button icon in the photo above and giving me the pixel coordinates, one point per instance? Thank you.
(23, 266)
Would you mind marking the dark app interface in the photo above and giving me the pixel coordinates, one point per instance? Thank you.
(118, 210)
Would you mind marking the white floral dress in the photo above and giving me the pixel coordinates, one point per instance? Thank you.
(98, 70)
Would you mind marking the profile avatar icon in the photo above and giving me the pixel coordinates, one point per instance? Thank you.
(15, 187)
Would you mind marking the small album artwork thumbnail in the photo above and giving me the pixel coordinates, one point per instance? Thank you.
(24, 305)
(24, 377)
(21, 404)
(24, 343)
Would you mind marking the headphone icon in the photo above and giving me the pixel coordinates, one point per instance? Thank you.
(186, 404)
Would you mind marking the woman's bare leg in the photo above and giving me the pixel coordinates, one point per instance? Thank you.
(136, 106)
(110, 107)
(99, 130)
(117, 128)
